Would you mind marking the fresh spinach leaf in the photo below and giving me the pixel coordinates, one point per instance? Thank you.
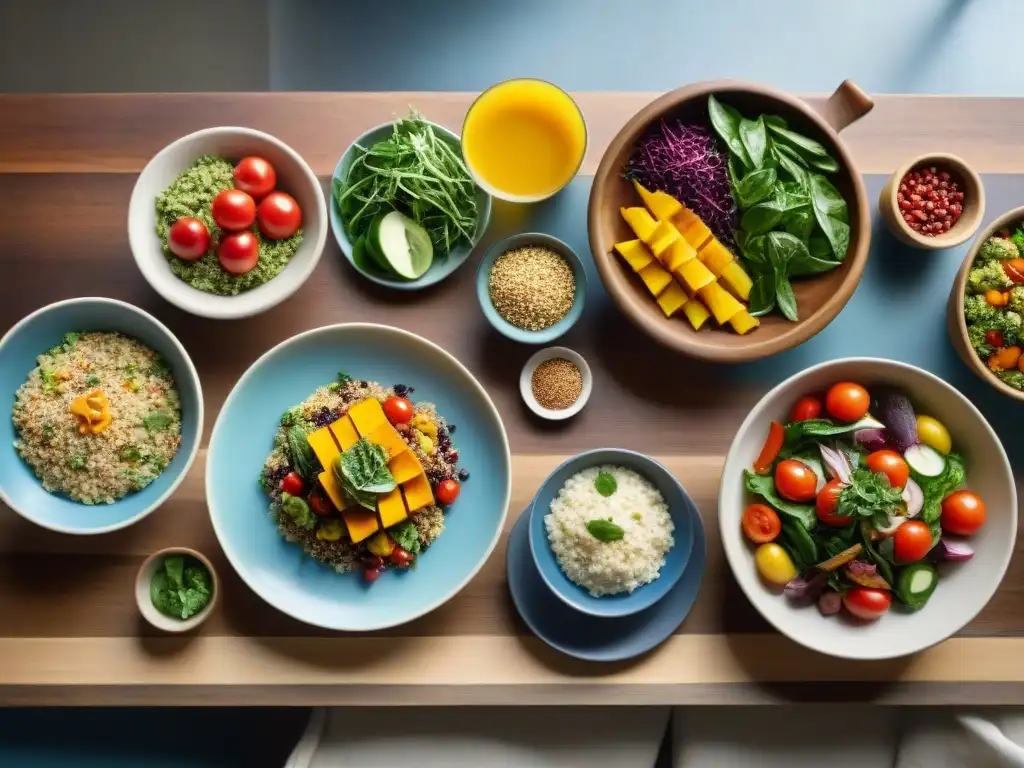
(779, 122)
(785, 299)
(799, 223)
(811, 265)
(791, 162)
(798, 537)
(935, 489)
(819, 247)
(884, 568)
(726, 122)
(800, 430)
(825, 164)
(753, 249)
(764, 486)
(808, 148)
(762, 294)
(761, 218)
(832, 214)
(755, 187)
(754, 136)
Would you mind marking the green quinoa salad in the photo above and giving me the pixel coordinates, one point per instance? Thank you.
(191, 196)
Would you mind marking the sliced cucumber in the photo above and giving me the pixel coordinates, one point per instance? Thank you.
(401, 245)
(916, 584)
(362, 259)
(924, 460)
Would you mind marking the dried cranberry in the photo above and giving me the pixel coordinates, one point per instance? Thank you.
(463, 475)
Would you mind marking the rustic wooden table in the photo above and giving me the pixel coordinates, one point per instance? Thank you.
(69, 629)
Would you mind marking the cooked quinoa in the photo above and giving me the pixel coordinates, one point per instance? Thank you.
(324, 406)
(144, 431)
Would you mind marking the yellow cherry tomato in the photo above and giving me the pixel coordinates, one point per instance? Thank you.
(774, 564)
(934, 434)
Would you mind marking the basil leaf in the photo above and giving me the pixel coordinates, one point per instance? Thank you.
(755, 187)
(799, 223)
(754, 136)
(811, 265)
(785, 299)
(806, 147)
(761, 218)
(831, 211)
(764, 486)
(605, 483)
(794, 165)
(175, 567)
(605, 530)
(819, 247)
(726, 122)
(782, 249)
(753, 249)
(775, 120)
(825, 164)
(363, 473)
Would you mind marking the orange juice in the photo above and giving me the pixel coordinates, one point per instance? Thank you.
(524, 140)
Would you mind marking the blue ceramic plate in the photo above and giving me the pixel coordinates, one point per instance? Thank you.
(680, 507)
(442, 265)
(594, 638)
(279, 572)
(506, 328)
(43, 329)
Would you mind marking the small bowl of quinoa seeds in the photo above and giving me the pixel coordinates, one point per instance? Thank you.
(531, 287)
(555, 383)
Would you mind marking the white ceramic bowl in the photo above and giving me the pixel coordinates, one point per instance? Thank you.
(964, 588)
(526, 383)
(145, 601)
(294, 176)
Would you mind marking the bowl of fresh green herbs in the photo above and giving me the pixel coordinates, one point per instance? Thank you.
(404, 208)
(176, 589)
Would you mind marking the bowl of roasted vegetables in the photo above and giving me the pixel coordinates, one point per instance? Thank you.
(727, 219)
(868, 510)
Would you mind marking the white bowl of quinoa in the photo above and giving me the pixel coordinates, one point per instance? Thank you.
(106, 415)
(182, 180)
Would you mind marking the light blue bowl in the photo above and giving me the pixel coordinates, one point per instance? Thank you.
(44, 328)
(243, 435)
(442, 266)
(501, 324)
(680, 507)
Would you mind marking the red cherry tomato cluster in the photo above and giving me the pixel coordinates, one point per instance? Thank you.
(235, 210)
(930, 201)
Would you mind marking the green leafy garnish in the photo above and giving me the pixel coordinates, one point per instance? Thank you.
(935, 489)
(605, 483)
(92, 380)
(157, 421)
(159, 463)
(130, 453)
(50, 380)
(303, 459)
(298, 510)
(159, 368)
(869, 496)
(48, 431)
(181, 587)
(363, 472)
(764, 486)
(605, 530)
(291, 416)
(130, 369)
(406, 536)
(77, 461)
(70, 339)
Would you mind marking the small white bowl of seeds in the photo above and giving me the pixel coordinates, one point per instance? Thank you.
(556, 383)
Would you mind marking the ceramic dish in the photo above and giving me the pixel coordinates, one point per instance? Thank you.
(294, 176)
(594, 638)
(956, 325)
(441, 267)
(145, 602)
(19, 487)
(506, 328)
(526, 383)
(680, 507)
(964, 588)
(819, 299)
(278, 571)
(966, 225)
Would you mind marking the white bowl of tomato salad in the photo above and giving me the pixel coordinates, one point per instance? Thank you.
(867, 508)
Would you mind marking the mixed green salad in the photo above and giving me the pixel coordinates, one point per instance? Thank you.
(855, 508)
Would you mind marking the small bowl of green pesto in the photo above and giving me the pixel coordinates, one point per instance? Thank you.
(176, 589)
(985, 315)
(227, 222)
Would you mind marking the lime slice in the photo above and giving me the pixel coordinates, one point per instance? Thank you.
(402, 245)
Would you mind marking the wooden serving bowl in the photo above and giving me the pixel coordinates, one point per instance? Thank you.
(819, 298)
(956, 326)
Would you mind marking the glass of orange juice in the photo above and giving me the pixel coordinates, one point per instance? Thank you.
(524, 140)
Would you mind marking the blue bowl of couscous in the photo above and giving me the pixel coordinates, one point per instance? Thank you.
(106, 415)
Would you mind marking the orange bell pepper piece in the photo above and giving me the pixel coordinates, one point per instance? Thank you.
(772, 446)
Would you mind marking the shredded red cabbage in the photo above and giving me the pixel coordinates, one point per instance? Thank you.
(686, 161)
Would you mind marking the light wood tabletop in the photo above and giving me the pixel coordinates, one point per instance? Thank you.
(70, 632)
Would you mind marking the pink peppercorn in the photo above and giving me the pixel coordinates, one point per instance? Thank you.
(930, 201)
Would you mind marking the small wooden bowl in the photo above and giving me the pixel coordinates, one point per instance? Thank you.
(966, 225)
(145, 602)
(956, 325)
(819, 299)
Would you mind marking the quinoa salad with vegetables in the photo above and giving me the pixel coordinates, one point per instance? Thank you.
(361, 476)
(98, 418)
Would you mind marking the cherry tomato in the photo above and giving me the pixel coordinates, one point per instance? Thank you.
(825, 504)
(188, 238)
(795, 480)
(761, 523)
(890, 464)
(239, 252)
(448, 491)
(963, 512)
(808, 407)
(912, 541)
(374, 562)
(401, 557)
(994, 338)
(867, 603)
(292, 484)
(398, 410)
(372, 574)
(279, 216)
(255, 176)
(233, 210)
(847, 401)
(320, 506)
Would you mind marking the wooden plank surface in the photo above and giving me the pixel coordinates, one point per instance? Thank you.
(71, 632)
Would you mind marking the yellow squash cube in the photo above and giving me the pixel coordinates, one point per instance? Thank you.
(678, 254)
(367, 415)
(655, 278)
(388, 438)
(361, 523)
(672, 299)
(391, 508)
(323, 446)
(737, 280)
(661, 239)
(715, 256)
(418, 493)
(696, 313)
(332, 488)
(639, 221)
(743, 322)
(405, 466)
(723, 305)
(691, 227)
(344, 432)
(694, 275)
(661, 204)
(635, 254)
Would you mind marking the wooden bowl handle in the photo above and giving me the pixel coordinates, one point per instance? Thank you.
(847, 104)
